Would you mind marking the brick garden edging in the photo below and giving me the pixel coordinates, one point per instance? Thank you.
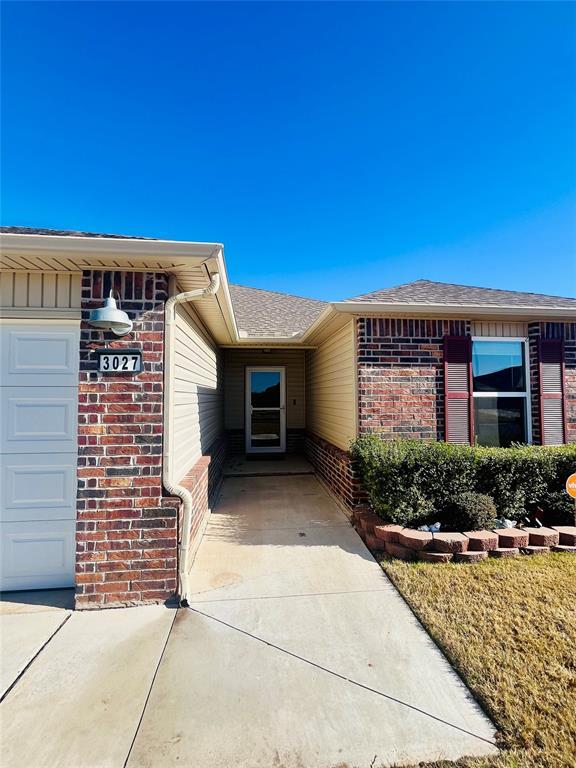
(469, 547)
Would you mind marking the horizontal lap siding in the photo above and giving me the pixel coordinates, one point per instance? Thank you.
(331, 389)
(197, 392)
(236, 361)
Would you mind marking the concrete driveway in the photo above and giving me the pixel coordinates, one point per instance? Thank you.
(296, 652)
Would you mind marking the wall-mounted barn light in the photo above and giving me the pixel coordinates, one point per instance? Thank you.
(110, 318)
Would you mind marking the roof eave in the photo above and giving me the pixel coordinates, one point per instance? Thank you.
(462, 310)
(56, 253)
(115, 248)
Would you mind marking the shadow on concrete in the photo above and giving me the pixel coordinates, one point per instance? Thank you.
(19, 602)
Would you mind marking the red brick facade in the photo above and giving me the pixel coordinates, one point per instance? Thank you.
(334, 467)
(401, 376)
(126, 530)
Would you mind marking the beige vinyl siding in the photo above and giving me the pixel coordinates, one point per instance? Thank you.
(485, 328)
(196, 390)
(236, 361)
(332, 411)
(24, 292)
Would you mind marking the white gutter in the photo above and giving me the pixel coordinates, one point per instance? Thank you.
(460, 310)
(171, 486)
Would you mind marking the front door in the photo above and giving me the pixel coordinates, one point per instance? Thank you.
(265, 410)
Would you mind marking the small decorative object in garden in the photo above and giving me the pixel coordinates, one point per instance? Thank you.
(434, 528)
(503, 522)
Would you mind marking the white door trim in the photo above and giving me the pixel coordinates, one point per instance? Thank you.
(281, 369)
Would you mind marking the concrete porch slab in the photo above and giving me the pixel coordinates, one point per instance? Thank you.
(80, 702)
(298, 651)
(290, 464)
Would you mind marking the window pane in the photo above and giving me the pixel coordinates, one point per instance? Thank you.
(265, 389)
(498, 366)
(265, 429)
(500, 421)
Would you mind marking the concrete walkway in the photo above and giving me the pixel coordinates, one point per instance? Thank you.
(27, 622)
(296, 652)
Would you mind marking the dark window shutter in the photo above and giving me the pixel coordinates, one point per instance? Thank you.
(551, 372)
(458, 414)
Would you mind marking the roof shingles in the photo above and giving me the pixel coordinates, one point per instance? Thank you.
(66, 233)
(431, 292)
(268, 314)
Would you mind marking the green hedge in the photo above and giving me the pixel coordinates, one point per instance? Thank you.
(412, 483)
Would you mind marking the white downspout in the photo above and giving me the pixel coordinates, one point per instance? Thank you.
(167, 452)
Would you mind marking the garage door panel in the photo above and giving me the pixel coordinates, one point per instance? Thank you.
(37, 554)
(38, 453)
(38, 487)
(32, 357)
(38, 420)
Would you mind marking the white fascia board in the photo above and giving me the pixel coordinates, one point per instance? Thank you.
(218, 264)
(117, 248)
(325, 315)
(468, 311)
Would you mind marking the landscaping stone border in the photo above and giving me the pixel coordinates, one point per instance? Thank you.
(467, 547)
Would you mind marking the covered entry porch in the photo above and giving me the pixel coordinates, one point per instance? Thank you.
(264, 400)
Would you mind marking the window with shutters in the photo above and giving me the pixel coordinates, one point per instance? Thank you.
(501, 391)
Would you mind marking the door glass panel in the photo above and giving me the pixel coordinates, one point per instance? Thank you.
(265, 429)
(265, 389)
(500, 421)
(498, 366)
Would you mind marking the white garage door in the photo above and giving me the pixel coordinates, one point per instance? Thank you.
(38, 452)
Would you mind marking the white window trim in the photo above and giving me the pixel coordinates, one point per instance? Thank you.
(525, 395)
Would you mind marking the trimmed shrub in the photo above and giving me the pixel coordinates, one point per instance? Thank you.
(470, 511)
(407, 481)
(412, 482)
(559, 509)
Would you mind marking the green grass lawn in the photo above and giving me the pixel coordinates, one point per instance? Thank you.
(509, 628)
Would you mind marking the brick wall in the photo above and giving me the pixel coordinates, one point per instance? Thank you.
(237, 440)
(334, 467)
(204, 481)
(401, 376)
(126, 530)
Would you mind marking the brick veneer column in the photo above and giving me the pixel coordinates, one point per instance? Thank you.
(400, 376)
(570, 380)
(126, 530)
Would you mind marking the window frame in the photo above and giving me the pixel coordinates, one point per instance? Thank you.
(526, 395)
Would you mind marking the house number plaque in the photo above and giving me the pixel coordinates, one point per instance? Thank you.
(119, 360)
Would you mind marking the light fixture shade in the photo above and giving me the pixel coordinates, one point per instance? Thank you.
(110, 318)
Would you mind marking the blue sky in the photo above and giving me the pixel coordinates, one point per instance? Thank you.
(334, 148)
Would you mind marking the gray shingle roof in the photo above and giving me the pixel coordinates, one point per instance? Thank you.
(261, 313)
(431, 292)
(66, 233)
